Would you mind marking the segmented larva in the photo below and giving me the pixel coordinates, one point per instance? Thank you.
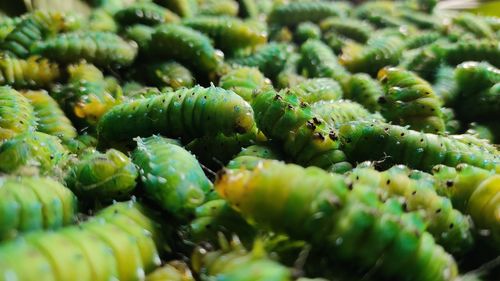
(361, 88)
(354, 29)
(317, 89)
(168, 74)
(244, 81)
(144, 13)
(339, 112)
(16, 115)
(33, 72)
(296, 12)
(318, 60)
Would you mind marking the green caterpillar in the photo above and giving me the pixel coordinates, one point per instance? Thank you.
(355, 29)
(449, 227)
(244, 81)
(318, 60)
(421, 39)
(296, 12)
(102, 20)
(336, 113)
(420, 20)
(473, 50)
(423, 61)
(228, 33)
(445, 85)
(248, 8)
(99, 48)
(184, 8)
(361, 88)
(211, 111)
(84, 71)
(102, 176)
(476, 192)
(80, 144)
(410, 100)
(143, 36)
(474, 25)
(378, 52)
(335, 218)
(170, 175)
(32, 72)
(16, 114)
(50, 118)
(169, 74)
(233, 262)
(317, 89)
(32, 27)
(307, 139)
(307, 30)
(250, 156)
(119, 243)
(270, 59)
(144, 13)
(33, 149)
(289, 75)
(172, 271)
(85, 102)
(218, 8)
(34, 203)
(415, 149)
(186, 45)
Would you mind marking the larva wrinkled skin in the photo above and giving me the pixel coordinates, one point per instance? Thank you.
(475, 25)
(355, 29)
(169, 74)
(50, 118)
(186, 45)
(410, 100)
(476, 192)
(251, 156)
(473, 50)
(296, 12)
(361, 88)
(420, 19)
(102, 176)
(421, 39)
(170, 175)
(120, 243)
(33, 72)
(317, 89)
(144, 13)
(445, 85)
(289, 76)
(84, 71)
(33, 149)
(224, 8)
(99, 48)
(377, 53)
(184, 8)
(318, 60)
(306, 30)
(34, 203)
(244, 81)
(326, 209)
(449, 227)
(305, 137)
(423, 61)
(211, 111)
(417, 150)
(339, 112)
(228, 34)
(234, 262)
(175, 270)
(16, 114)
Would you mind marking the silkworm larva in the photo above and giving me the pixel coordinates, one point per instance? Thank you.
(317, 89)
(33, 72)
(16, 114)
(365, 90)
(318, 60)
(145, 13)
(244, 81)
(339, 112)
(296, 12)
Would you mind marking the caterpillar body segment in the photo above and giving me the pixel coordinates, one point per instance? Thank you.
(175, 270)
(306, 138)
(184, 8)
(445, 85)
(186, 113)
(472, 50)
(102, 176)
(357, 30)
(317, 89)
(84, 71)
(32, 72)
(361, 88)
(170, 175)
(318, 60)
(80, 143)
(169, 74)
(244, 81)
(145, 13)
(417, 150)
(305, 31)
(290, 76)
(336, 113)
(421, 39)
(326, 209)
(17, 115)
(50, 118)
(295, 12)
(251, 156)
(218, 8)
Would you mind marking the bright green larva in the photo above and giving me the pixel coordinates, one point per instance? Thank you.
(445, 85)
(473, 50)
(143, 36)
(475, 25)
(289, 76)
(398, 145)
(296, 12)
(449, 227)
(410, 100)
(184, 8)
(317, 89)
(145, 13)
(244, 81)
(16, 114)
(172, 271)
(337, 219)
(218, 8)
(421, 39)
(32, 27)
(378, 52)
(318, 60)
(234, 262)
(186, 113)
(270, 59)
(338, 112)
(365, 90)
(476, 192)
(170, 175)
(251, 156)
(99, 48)
(307, 30)
(102, 176)
(423, 61)
(307, 139)
(419, 19)
(186, 45)
(473, 77)
(169, 74)
(354, 29)
(228, 33)
(50, 118)
(34, 203)
(84, 71)
(102, 20)
(116, 244)
(80, 144)
(33, 149)
(32, 72)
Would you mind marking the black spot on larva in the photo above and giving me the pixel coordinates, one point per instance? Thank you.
(404, 206)
(303, 104)
(239, 129)
(350, 186)
(348, 140)
(421, 140)
(357, 178)
(402, 134)
(438, 211)
(386, 129)
(451, 225)
(290, 106)
(414, 192)
(310, 125)
(21, 121)
(388, 182)
(427, 93)
(278, 97)
(449, 183)
(51, 157)
(318, 136)
(333, 136)
(382, 100)
(316, 121)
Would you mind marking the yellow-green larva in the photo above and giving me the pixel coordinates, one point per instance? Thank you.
(32, 72)
(144, 13)
(318, 60)
(244, 81)
(317, 89)
(16, 114)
